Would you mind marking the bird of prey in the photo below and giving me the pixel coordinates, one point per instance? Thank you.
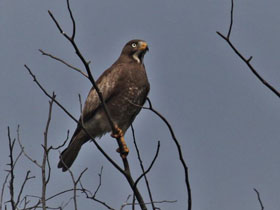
(124, 87)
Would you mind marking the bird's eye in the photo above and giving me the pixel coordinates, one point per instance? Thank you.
(133, 44)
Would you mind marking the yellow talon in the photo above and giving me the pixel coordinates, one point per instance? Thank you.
(119, 135)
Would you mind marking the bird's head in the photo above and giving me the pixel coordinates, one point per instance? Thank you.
(135, 49)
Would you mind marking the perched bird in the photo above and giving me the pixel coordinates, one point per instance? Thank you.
(125, 87)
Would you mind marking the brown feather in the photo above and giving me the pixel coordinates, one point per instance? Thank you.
(124, 84)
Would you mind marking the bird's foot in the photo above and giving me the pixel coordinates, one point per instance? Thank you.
(123, 150)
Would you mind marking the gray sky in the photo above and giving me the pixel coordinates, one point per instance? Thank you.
(226, 121)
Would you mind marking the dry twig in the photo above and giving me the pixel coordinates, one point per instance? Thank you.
(242, 57)
(178, 146)
(91, 196)
(64, 62)
(75, 182)
(145, 172)
(259, 199)
(126, 172)
(142, 168)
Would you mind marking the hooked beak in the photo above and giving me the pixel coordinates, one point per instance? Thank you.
(143, 46)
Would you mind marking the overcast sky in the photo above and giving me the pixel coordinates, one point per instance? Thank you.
(227, 122)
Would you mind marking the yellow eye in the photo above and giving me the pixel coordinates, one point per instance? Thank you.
(133, 45)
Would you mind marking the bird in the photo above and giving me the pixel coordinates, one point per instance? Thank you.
(124, 87)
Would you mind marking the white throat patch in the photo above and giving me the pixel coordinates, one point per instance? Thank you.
(136, 57)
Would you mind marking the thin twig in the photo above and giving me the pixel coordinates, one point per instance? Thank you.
(100, 182)
(73, 20)
(75, 182)
(90, 77)
(247, 61)
(3, 189)
(149, 168)
(45, 156)
(125, 203)
(93, 197)
(142, 167)
(23, 150)
(11, 173)
(11, 164)
(62, 192)
(27, 177)
(62, 145)
(155, 202)
(126, 171)
(64, 62)
(73, 118)
(181, 157)
(259, 199)
(231, 19)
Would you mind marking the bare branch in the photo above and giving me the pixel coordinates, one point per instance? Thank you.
(62, 145)
(259, 198)
(246, 61)
(75, 182)
(45, 160)
(27, 177)
(3, 189)
(11, 164)
(63, 192)
(149, 168)
(73, 21)
(155, 202)
(142, 167)
(231, 20)
(126, 171)
(93, 197)
(100, 181)
(11, 173)
(90, 77)
(23, 150)
(183, 162)
(73, 118)
(125, 203)
(64, 62)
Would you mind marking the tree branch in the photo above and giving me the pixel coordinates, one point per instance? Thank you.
(11, 171)
(246, 61)
(259, 198)
(126, 172)
(145, 172)
(181, 157)
(142, 167)
(64, 62)
(93, 197)
(45, 156)
(27, 177)
(75, 182)
(90, 77)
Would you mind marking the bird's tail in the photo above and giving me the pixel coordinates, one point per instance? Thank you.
(68, 156)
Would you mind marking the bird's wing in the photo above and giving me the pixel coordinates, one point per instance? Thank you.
(107, 84)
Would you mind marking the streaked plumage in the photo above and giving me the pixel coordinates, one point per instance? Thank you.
(123, 85)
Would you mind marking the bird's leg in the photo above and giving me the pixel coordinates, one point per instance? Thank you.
(123, 150)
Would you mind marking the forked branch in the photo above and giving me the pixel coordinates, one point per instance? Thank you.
(126, 172)
(242, 57)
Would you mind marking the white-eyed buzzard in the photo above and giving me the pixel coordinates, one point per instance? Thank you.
(125, 87)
